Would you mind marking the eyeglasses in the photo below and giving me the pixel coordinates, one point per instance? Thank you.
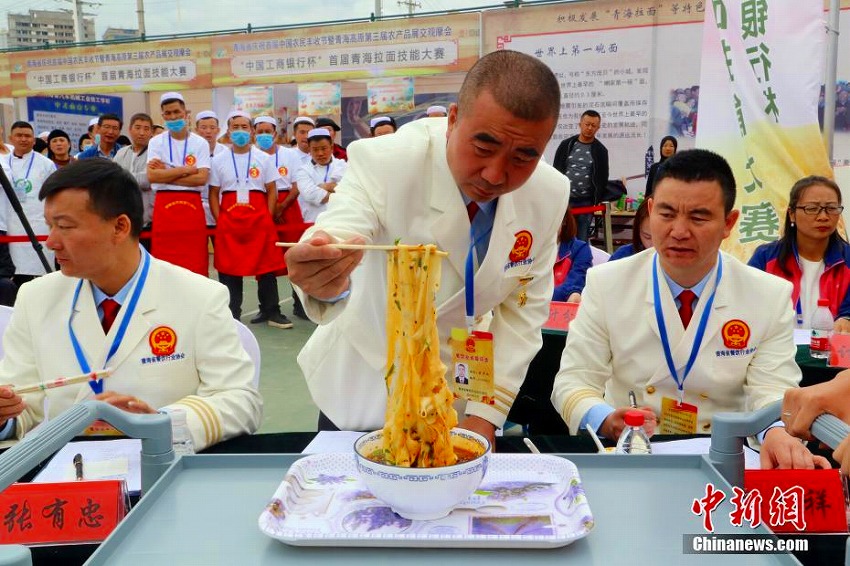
(815, 209)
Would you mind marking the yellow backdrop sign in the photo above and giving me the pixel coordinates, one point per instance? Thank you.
(162, 65)
(420, 46)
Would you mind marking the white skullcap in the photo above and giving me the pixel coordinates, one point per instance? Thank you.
(265, 120)
(238, 113)
(171, 96)
(204, 114)
(44, 134)
(303, 120)
(319, 133)
(436, 109)
(93, 122)
(379, 120)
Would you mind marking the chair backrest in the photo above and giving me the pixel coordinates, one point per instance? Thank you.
(5, 316)
(599, 256)
(249, 342)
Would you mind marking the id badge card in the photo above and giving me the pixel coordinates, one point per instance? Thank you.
(677, 418)
(242, 191)
(22, 189)
(471, 371)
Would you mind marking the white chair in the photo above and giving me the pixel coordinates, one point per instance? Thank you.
(5, 316)
(599, 256)
(249, 342)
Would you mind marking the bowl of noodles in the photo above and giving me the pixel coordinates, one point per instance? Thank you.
(423, 493)
(420, 464)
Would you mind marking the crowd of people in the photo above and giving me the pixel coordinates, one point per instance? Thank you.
(717, 335)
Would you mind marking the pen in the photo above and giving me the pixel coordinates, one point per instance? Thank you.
(632, 400)
(78, 466)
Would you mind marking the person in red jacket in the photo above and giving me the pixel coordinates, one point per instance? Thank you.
(811, 254)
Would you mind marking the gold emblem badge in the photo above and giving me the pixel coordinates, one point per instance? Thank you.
(163, 341)
(736, 334)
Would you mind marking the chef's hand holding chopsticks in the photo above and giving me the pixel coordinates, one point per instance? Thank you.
(320, 270)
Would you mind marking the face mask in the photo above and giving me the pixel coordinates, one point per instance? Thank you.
(97, 139)
(240, 138)
(265, 141)
(175, 126)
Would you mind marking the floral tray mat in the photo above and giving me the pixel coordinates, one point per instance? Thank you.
(524, 501)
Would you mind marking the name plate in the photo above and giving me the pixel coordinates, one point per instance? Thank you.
(61, 513)
(792, 501)
(560, 315)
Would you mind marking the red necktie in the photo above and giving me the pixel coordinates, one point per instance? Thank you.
(686, 310)
(110, 311)
(471, 210)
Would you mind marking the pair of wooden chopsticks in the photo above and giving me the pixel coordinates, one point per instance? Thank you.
(383, 248)
(63, 381)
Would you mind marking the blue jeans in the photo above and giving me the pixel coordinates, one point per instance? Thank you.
(583, 222)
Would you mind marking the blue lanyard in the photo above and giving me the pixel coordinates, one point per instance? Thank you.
(97, 386)
(327, 170)
(171, 151)
(469, 275)
(29, 167)
(247, 167)
(662, 327)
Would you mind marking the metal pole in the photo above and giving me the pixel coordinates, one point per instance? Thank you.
(831, 75)
(377, 9)
(140, 12)
(78, 21)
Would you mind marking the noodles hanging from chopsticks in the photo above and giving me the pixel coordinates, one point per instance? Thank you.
(419, 414)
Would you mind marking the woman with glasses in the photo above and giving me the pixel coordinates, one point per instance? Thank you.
(811, 254)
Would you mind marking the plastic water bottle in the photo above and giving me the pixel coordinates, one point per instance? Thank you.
(822, 324)
(633, 439)
(181, 440)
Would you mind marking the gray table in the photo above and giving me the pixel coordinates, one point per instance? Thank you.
(204, 510)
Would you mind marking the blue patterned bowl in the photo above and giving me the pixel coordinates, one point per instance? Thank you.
(423, 493)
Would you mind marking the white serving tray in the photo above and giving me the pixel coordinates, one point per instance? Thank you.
(524, 501)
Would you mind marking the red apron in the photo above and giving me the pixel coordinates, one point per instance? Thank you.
(291, 225)
(245, 237)
(179, 230)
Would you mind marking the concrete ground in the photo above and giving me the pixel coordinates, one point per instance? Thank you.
(287, 406)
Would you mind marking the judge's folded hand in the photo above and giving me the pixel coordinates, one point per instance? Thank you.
(11, 405)
(783, 451)
(614, 423)
(803, 405)
(127, 403)
(320, 270)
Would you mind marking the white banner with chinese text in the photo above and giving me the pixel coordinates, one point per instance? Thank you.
(764, 60)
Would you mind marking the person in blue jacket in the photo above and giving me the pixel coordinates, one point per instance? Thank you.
(573, 261)
(641, 238)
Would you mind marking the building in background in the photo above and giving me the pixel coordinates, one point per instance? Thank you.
(38, 27)
(112, 34)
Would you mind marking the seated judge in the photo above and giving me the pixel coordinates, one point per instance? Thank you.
(811, 254)
(573, 261)
(166, 332)
(644, 317)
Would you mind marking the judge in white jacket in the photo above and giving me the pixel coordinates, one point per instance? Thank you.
(166, 332)
(416, 185)
(726, 329)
